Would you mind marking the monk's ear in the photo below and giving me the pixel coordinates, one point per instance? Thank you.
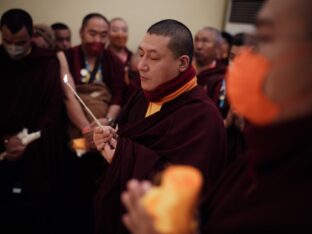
(184, 63)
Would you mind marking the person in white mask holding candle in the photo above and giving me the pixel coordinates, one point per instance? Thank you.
(31, 101)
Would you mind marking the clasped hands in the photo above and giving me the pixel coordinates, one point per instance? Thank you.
(88, 131)
(105, 140)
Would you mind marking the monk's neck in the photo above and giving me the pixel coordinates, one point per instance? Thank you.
(208, 65)
(120, 52)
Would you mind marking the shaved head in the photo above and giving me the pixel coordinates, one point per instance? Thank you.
(217, 36)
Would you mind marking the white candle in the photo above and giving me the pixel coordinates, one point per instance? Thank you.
(81, 101)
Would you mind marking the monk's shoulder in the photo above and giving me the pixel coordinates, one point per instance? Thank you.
(198, 105)
(43, 54)
(198, 98)
(108, 56)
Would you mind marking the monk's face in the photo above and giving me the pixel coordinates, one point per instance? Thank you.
(157, 64)
(62, 39)
(96, 30)
(284, 39)
(118, 33)
(206, 49)
(17, 44)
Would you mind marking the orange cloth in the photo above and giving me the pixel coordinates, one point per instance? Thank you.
(245, 81)
(172, 204)
(154, 107)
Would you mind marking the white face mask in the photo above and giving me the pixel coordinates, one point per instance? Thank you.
(15, 51)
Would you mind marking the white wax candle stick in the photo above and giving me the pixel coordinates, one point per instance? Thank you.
(82, 102)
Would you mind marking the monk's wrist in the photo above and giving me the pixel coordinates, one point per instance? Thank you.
(110, 121)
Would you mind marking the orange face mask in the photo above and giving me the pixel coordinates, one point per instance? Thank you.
(119, 40)
(245, 89)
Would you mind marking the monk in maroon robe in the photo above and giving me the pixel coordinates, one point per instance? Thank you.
(268, 191)
(118, 37)
(210, 72)
(171, 122)
(93, 66)
(90, 63)
(31, 97)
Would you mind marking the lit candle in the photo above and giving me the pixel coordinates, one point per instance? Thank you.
(81, 101)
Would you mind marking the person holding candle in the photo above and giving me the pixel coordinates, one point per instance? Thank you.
(31, 98)
(268, 191)
(99, 81)
(170, 121)
(43, 38)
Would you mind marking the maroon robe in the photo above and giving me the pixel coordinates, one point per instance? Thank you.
(91, 164)
(31, 97)
(211, 79)
(132, 78)
(270, 191)
(112, 71)
(187, 130)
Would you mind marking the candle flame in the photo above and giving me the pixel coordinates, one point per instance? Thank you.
(65, 79)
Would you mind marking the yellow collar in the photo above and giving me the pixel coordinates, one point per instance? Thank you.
(154, 107)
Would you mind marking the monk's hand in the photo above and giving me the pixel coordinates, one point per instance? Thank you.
(105, 142)
(87, 133)
(14, 148)
(109, 150)
(103, 121)
(137, 220)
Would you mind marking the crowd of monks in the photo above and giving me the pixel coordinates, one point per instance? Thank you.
(237, 108)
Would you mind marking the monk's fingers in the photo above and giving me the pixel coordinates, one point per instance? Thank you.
(98, 140)
(132, 207)
(98, 130)
(136, 189)
(108, 129)
(132, 198)
(137, 220)
(14, 154)
(129, 223)
(19, 149)
(108, 152)
(146, 186)
(101, 135)
(101, 139)
(113, 143)
(100, 146)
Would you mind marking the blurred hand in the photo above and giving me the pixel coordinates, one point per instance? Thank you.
(14, 148)
(109, 150)
(137, 220)
(104, 141)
